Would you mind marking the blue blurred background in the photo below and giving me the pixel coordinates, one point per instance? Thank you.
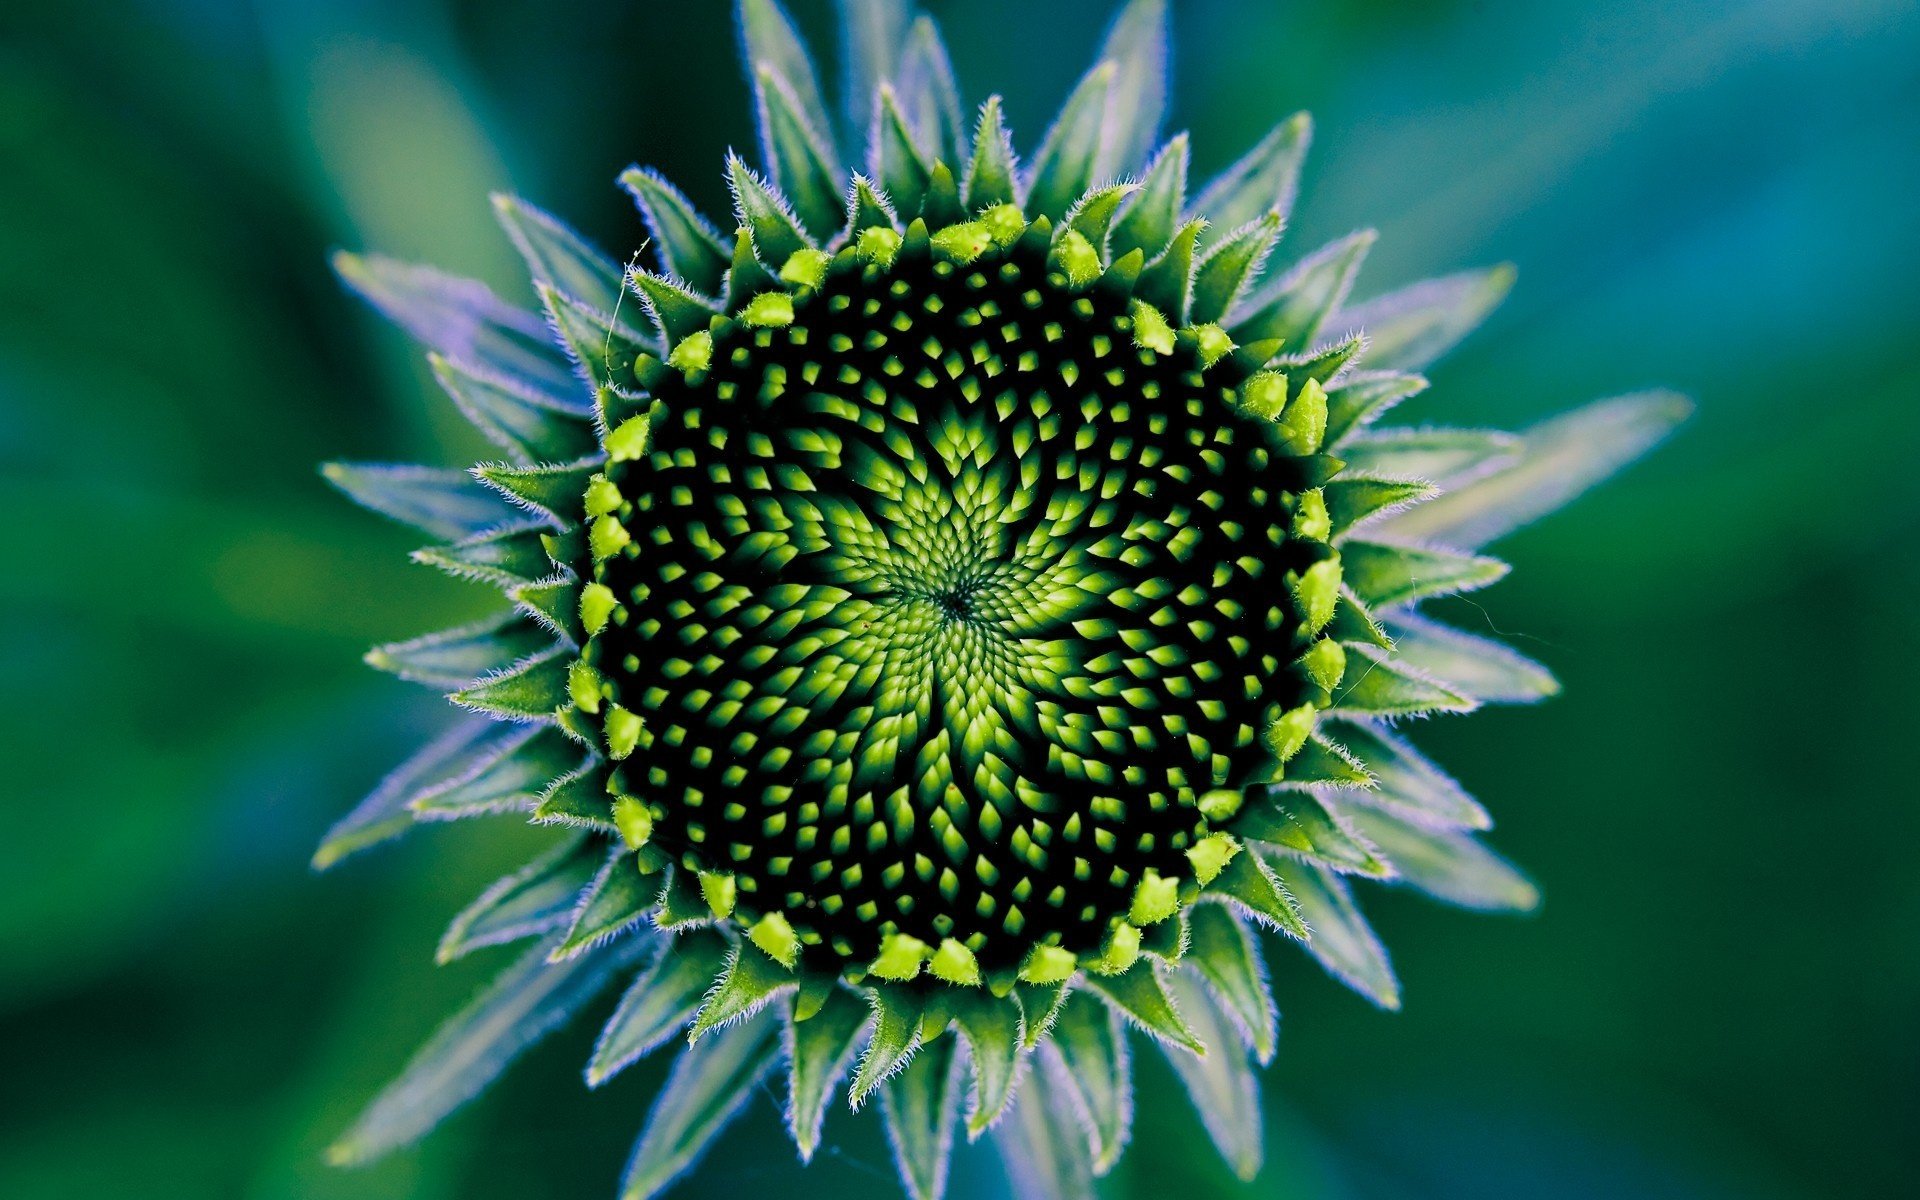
(1719, 997)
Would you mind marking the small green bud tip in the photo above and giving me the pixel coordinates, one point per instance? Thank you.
(602, 497)
(1077, 258)
(1326, 662)
(774, 934)
(1311, 521)
(629, 441)
(1049, 964)
(964, 243)
(634, 822)
(1155, 899)
(608, 538)
(1122, 951)
(583, 687)
(1151, 330)
(694, 353)
(623, 732)
(597, 603)
(769, 310)
(878, 245)
(1005, 223)
(1214, 345)
(720, 891)
(1265, 395)
(955, 964)
(1220, 805)
(1317, 591)
(806, 268)
(1305, 424)
(899, 958)
(1290, 732)
(1210, 856)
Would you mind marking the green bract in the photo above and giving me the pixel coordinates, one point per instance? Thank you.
(965, 597)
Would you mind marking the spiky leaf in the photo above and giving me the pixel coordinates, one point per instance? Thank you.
(659, 1003)
(506, 774)
(819, 1051)
(1410, 328)
(687, 243)
(1342, 940)
(920, 1103)
(385, 813)
(1476, 667)
(456, 657)
(1140, 996)
(1091, 1041)
(1447, 864)
(526, 1002)
(538, 898)
(1221, 1083)
(1557, 461)
(1267, 178)
(710, 1082)
(1225, 953)
(442, 504)
(616, 903)
(558, 256)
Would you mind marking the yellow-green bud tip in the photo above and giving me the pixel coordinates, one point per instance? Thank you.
(774, 934)
(1049, 964)
(693, 354)
(769, 310)
(634, 821)
(1290, 732)
(1151, 330)
(1220, 805)
(583, 687)
(806, 268)
(597, 603)
(629, 441)
(900, 957)
(720, 892)
(955, 964)
(623, 732)
(1210, 856)
(1155, 899)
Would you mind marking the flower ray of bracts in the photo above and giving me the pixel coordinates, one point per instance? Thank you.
(955, 621)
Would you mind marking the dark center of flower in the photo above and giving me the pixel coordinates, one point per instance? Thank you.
(944, 606)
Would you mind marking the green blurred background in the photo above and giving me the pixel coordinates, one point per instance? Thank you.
(1719, 998)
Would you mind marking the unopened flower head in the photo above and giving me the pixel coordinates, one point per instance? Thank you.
(954, 611)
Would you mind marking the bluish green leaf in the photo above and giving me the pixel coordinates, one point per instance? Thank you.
(502, 557)
(524, 423)
(797, 156)
(710, 1082)
(750, 982)
(1446, 864)
(1356, 498)
(1556, 462)
(1253, 888)
(1230, 266)
(874, 33)
(894, 158)
(505, 774)
(1267, 178)
(660, 1002)
(1091, 1042)
(1477, 667)
(767, 216)
(1342, 940)
(1137, 102)
(992, 1027)
(578, 800)
(529, 691)
(919, 1103)
(1141, 998)
(1299, 822)
(558, 256)
(1408, 329)
(674, 310)
(525, 1003)
(554, 490)
(538, 898)
(687, 243)
(768, 36)
(1390, 574)
(1378, 685)
(993, 171)
(1167, 281)
(896, 1031)
(1148, 223)
(461, 318)
(385, 813)
(1447, 457)
(443, 504)
(1041, 1164)
(1293, 307)
(617, 902)
(1406, 781)
(1225, 953)
(1220, 1083)
(929, 98)
(605, 349)
(1063, 168)
(819, 1051)
(1361, 397)
(454, 658)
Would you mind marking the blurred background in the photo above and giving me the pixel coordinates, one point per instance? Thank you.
(1719, 997)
